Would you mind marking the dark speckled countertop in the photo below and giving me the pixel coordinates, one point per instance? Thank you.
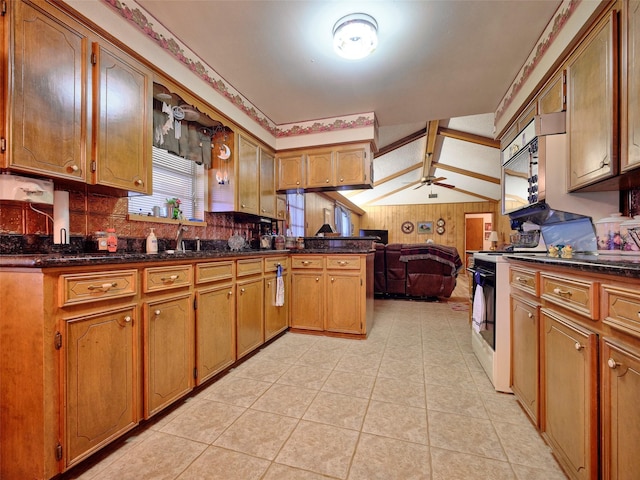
(605, 263)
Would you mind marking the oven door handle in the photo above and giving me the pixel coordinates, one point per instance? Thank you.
(482, 273)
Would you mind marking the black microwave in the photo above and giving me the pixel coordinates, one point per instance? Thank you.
(520, 179)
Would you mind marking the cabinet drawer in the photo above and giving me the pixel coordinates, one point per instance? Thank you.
(343, 262)
(166, 278)
(271, 264)
(214, 271)
(621, 309)
(524, 279)
(579, 296)
(91, 287)
(307, 261)
(250, 266)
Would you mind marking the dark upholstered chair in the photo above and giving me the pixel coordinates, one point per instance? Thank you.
(424, 271)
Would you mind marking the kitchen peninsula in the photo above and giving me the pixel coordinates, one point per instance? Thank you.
(109, 340)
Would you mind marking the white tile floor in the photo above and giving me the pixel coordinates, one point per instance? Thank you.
(410, 402)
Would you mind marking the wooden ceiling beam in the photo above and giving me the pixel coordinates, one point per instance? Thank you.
(468, 137)
(397, 174)
(468, 173)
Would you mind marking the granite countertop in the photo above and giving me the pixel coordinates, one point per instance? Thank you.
(627, 265)
(44, 260)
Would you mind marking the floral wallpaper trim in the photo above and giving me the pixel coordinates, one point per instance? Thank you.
(541, 48)
(163, 38)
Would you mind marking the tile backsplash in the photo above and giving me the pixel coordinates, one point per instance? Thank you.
(89, 212)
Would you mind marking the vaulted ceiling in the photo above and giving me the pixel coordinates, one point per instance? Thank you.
(437, 76)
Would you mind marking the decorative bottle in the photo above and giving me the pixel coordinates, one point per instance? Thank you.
(112, 240)
(152, 242)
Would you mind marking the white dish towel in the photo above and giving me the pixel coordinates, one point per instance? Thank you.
(479, 310)
(279, 287)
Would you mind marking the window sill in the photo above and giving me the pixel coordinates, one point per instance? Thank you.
(134, 217)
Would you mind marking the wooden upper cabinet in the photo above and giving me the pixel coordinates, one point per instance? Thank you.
(248, 168)
(525, 118)
(592, 106)
(290, 171)
(122, 121)
(47, 93)
(553, 97)
(319, 169)
(630, 101)
(80, 109)
(353, 167)
(267, 184)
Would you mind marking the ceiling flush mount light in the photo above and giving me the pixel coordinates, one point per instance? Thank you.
(355, 36)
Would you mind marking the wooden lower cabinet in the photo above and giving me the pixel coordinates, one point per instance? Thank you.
(332, 293)
(525, 355)
(276, 318)
(570, 372)
(307, 308)
(620, 417)
(101, 375)
(215, 330)
(342, 316)
(168, 355)
(249, 315)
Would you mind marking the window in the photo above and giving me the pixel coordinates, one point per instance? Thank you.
(174, 176)
(295, 214)
(343, 221)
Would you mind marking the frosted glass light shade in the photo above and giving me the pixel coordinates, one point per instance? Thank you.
(355, 36)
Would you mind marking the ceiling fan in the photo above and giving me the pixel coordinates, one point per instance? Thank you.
(428, 179)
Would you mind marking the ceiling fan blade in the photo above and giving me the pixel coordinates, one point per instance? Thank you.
(445, 185)
(421, 185)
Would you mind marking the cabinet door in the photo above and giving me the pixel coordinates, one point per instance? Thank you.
(592, 114)
(319, 169)
(101, 380)
(215, 331)
(553, 96)
(48, 111)
(275, 317)
(281, 207)
(620, 419)
(307, 311)
(344, 316)
(290, 171)
(248, 163)
(168, 351)
(249, 317)
(630, 102)
(525, 350)
(267, 184)
(352, 167)
(570, 394)
(122, 121)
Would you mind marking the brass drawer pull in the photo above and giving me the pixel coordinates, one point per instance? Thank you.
(171, 278)
(105, 286)
(343, 263)
(306, 262)
(522, 280)
(562, 293)
(612, 363)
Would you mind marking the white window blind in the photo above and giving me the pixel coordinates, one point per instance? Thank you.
(295, 205)
(173, 177)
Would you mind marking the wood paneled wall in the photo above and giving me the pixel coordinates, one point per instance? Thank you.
(314, 205)
(391, 218)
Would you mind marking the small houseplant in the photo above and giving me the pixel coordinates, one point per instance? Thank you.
(173, 208)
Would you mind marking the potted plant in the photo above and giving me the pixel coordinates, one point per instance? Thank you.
(173, 208)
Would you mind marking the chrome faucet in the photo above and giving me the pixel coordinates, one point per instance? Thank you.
(179, 244)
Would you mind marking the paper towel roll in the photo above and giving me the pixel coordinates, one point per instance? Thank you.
(60, 217)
